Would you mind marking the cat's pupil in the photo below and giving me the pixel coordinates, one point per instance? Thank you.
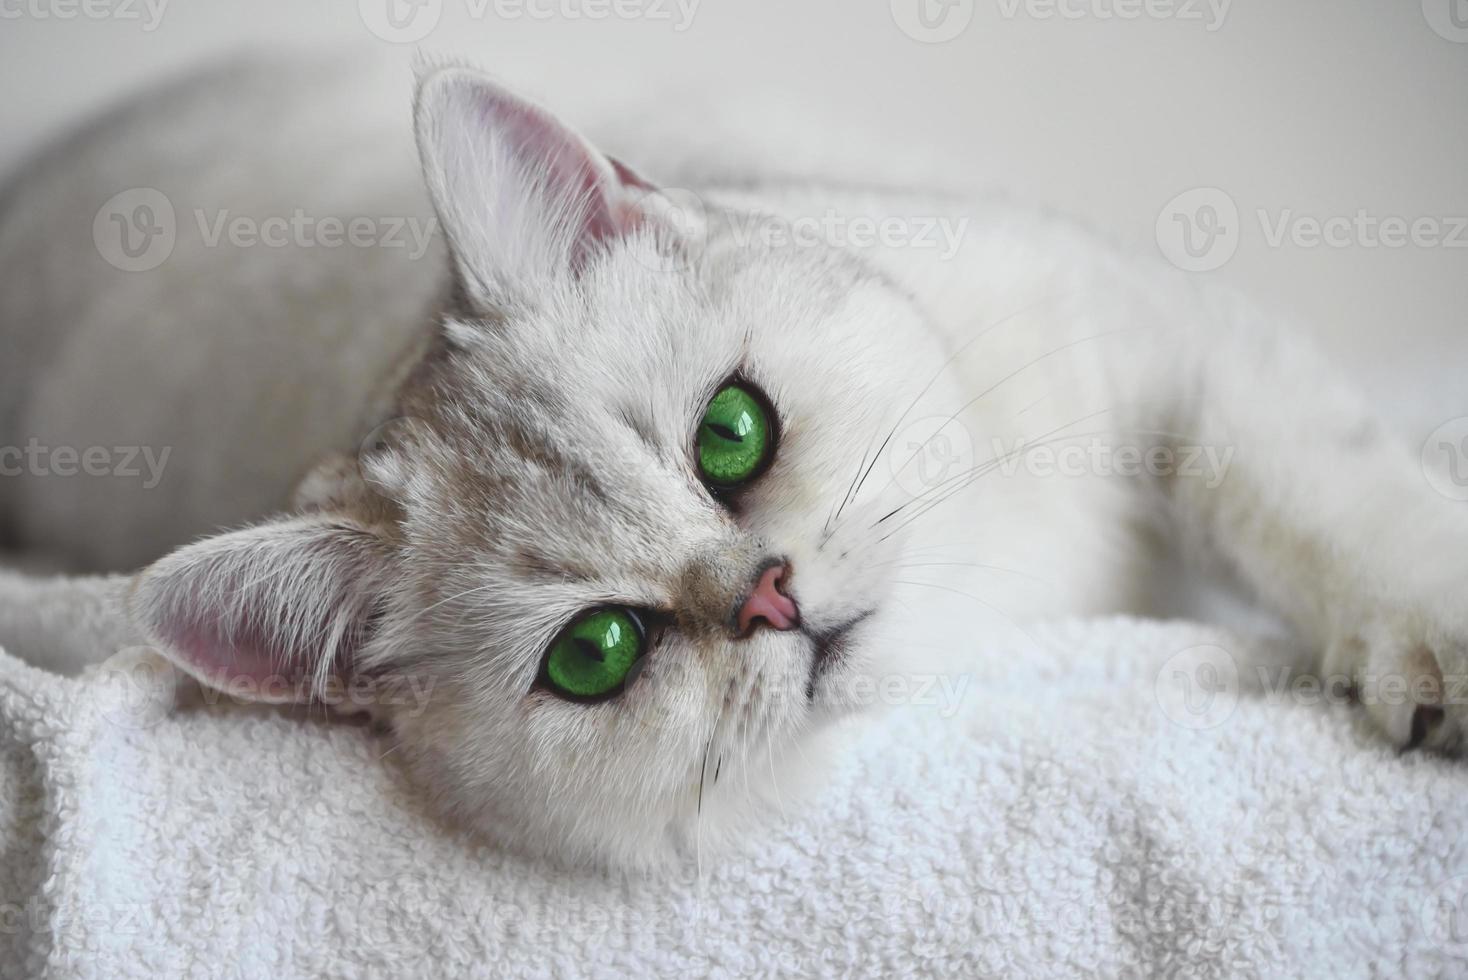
(591, 650)
(724, 432)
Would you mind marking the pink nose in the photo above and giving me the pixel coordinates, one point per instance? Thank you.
(766, 602)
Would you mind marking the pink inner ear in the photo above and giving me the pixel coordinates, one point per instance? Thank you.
(243, 663)
(628, 176)
(248, 658)
(593, 185)
(266, 613)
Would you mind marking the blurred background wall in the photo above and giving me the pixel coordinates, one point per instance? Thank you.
(1213, 131)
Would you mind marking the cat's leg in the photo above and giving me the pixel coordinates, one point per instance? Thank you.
(1079, 366)
(1319, 508)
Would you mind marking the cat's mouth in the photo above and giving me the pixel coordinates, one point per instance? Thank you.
(828, 647)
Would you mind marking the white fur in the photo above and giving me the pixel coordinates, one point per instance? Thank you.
(542, 463)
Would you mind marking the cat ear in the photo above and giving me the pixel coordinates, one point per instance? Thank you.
(269, 613)
(521, 197)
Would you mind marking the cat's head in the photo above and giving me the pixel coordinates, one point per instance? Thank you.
(633, 531)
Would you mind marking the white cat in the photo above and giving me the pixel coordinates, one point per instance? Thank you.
(645, 483)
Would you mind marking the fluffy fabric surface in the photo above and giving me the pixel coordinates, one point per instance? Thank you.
(1109, 803)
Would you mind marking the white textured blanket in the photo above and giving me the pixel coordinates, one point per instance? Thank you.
(1093, 809)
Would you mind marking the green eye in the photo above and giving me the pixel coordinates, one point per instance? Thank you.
(593, 657)
(735, 437)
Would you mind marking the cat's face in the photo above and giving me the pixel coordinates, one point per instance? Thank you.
(565, 535)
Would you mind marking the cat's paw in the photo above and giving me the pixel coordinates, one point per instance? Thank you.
(1408, 667)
